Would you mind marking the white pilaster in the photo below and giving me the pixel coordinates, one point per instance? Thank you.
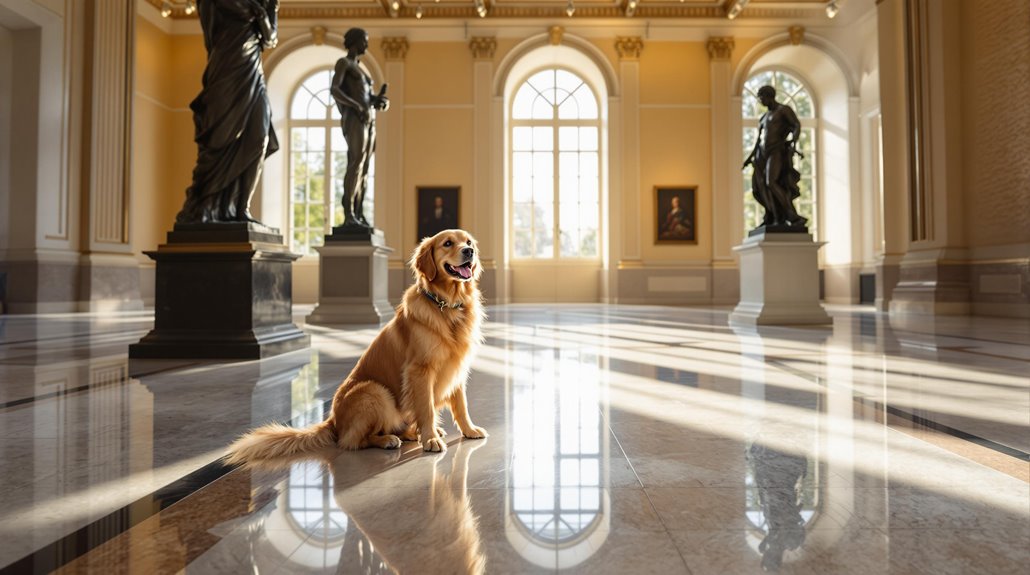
(113, 57)
(629, 48)
(390, 204)
(726, 231)
(481, 203)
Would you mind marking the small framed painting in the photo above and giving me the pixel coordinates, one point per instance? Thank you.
(437, 209)
(675, 214)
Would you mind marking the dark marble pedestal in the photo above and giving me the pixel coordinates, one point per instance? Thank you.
(223, 291)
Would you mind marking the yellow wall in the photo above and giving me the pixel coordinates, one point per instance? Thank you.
(675, 140)
(437, 137)
(152, 173)
(168, 77)
(996, 121)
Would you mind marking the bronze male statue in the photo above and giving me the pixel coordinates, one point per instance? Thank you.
(775, 181)
(352, 90)
(231, 115)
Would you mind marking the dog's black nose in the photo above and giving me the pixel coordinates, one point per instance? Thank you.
(467, 252)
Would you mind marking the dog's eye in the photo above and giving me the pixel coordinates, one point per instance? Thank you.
(448, 244)
(468, 243)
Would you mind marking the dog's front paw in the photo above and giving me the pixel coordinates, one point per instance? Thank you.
(475, 432)
(434, 444)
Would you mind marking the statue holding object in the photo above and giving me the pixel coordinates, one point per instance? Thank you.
(352, 90)
(231, 115)
(774, 182)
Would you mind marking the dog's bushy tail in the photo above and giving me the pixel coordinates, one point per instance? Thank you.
(275, 441)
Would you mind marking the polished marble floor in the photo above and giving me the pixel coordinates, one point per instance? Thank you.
(624, 439)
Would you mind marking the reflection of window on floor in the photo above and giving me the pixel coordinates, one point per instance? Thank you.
(557, 465)
(310, 503)
(309, 500)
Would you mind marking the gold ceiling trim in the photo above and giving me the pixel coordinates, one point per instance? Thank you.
(558, 11)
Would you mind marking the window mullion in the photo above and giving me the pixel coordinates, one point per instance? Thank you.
(327, 178)
(556, 182)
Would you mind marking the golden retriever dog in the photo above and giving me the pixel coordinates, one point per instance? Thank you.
(415, 366)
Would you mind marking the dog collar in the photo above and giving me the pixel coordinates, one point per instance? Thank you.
(440, 302)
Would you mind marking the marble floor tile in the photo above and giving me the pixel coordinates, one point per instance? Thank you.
(623, 439)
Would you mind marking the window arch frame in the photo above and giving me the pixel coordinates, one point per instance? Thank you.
(810, 128)
(556, 123)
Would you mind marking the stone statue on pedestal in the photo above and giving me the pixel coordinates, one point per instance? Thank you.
(774, 182)
(352, 90)
(232, 115)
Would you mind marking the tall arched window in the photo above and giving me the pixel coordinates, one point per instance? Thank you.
(555, 139)
(318, 162)
(792, 92)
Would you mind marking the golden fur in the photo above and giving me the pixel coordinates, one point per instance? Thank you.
(415, 366)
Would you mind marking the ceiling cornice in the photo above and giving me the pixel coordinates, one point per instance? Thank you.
(437, 11)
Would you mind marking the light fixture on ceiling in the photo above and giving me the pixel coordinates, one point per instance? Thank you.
(481, 8)
(418, 12)
(570, 8)
(832, 7)
(631, 7)
(736, 9)
(191, 6)
(166, 9)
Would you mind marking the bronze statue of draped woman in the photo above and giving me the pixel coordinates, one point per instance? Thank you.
(231, 115)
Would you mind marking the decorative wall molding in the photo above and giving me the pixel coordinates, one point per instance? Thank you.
(629, 47)
(112, 79)
(557, 10)
(318, 35)
(720, 47)
(797, 35)
(483, 47)
(395, 47)
(555, 34)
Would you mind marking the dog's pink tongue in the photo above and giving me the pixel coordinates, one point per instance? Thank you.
(464, 271)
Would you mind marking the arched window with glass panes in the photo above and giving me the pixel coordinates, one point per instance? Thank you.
(318, 163)
(791, 92)
(555, 167)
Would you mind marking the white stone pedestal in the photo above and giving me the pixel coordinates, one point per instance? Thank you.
(779, 281)
(352, 281)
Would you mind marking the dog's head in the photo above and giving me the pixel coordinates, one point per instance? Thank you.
(449, 256)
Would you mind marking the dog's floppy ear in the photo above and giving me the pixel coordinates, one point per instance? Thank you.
(422, 261)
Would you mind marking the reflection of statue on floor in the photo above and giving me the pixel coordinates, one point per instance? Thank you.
(778, 476)
(352, 90)
(231, 115)
(774, 182)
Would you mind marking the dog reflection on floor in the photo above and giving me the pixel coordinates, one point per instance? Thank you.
(407, 530)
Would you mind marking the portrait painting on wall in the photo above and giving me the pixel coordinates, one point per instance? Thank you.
(675, 214)
(437, 210)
